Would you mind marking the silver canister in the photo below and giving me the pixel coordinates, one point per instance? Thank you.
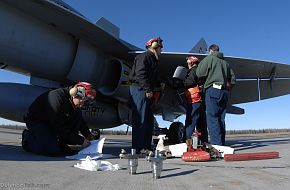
(156, 164)
(133, 162)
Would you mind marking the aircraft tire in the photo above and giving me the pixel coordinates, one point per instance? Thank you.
(96, 133)
(175, 133)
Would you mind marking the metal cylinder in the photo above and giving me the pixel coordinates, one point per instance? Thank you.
(156, 165)
(133, 162)
(194, 140)
(156, 169)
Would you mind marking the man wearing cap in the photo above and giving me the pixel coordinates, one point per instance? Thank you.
(218, 78)
(194, 102)
(144, 80)
(54, 120)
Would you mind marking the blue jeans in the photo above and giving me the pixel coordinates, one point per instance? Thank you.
(192, 115)
(223, 128)
(142, 119)
(216, 102)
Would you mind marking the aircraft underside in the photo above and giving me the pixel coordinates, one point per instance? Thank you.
(56, 46)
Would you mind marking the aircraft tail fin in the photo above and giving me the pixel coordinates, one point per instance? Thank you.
(200, 47)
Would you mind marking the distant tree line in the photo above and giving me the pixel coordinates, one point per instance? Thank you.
(257, 131)
(124, 132)
(21, 127)
(104, 132)
(115, 132)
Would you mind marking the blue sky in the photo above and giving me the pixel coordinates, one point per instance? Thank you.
(251, 29)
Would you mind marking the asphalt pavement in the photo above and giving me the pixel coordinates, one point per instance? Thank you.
(22, 170)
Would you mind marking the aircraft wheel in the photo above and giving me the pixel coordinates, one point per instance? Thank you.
(175, 133)
(96, 133)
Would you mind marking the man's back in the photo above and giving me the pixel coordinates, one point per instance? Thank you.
(214, 70)
(49, 104)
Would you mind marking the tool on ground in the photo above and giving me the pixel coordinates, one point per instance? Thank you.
(160, 144)
(156, 163)
(222, 150)
(195, 152)
(132, 160)
(251, 156)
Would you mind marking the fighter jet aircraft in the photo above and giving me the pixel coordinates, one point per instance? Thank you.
(57, 46)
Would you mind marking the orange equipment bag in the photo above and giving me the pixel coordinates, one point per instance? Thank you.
(193, 95)
(196, 155)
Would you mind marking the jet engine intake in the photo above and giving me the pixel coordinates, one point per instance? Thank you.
(111, 77)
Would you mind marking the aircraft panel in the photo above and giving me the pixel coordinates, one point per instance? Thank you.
(58, 16)
(244, 91)
(245, 68)
(274, 88)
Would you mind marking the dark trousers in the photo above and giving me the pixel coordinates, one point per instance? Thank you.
(192, 116)
(223, 128)
(142, 119)
(201, 123)
(41, 139)
(216, 103)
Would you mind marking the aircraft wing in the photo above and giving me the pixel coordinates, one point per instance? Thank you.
(256, 80)
(40, 36)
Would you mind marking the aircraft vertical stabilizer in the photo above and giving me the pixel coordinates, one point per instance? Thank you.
(200, 47)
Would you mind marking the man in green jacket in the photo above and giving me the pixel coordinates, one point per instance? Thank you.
(218, 79)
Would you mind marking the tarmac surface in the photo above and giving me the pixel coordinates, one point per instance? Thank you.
(22, 170)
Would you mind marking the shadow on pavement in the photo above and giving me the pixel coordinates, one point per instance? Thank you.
(245, 144)
(179, 174)
(16, 153)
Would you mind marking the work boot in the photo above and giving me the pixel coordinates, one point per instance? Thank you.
(189, 144)
(25, 137)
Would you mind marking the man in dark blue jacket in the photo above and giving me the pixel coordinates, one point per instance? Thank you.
(143, 79)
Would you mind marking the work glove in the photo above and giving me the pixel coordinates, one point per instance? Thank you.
(149, 94)
(90, 137)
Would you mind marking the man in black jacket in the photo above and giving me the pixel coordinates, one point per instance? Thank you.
(54, 120)
(143, 77)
